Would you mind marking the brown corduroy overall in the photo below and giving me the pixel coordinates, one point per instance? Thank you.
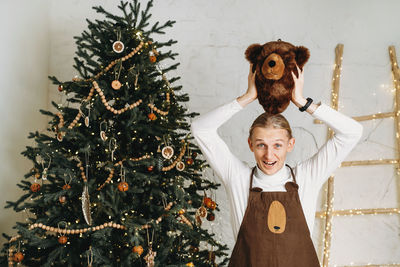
(274, 231)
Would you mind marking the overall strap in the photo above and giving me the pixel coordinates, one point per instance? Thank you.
(251, 177)
(291, 170)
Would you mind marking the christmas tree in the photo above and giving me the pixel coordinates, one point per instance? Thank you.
(116, 180)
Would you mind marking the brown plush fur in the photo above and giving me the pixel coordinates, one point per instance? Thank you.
(274, 94)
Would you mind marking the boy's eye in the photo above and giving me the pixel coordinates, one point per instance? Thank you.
(259, 145)
(278, 145)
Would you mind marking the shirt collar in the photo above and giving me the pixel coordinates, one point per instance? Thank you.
(272, 179)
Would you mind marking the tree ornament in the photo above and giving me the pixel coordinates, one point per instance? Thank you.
(66, 187)
(118, 47)
(35, 187)
(181, 211)
(90, 257)
(62, 199)
(210, 216)
(213, 205)
(112, 146)
(207, 201)
(103, 129)
(180, 166)
(62, 239)
(138, 250)
(123, 185)
(167, 152)
(60, 88)
(86, 117)
(190, 264)
(60, 136)
(152, 116)
(189, 161)
(149, 258)
(85, 193)
(116, 84)
(18, 256)
(194, 155)
(152, 57)
(45, 169)
(202, 211)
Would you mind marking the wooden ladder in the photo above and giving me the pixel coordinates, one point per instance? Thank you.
(329, 213)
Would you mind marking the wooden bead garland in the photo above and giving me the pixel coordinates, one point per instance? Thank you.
(110, 108)
(110, 176)
(10, 251)
(183, 149)
(124, 58)
(82, 169)
(76, 231)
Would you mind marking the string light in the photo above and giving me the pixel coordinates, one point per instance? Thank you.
(329, 213)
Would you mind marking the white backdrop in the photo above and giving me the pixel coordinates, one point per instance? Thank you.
(212, 37)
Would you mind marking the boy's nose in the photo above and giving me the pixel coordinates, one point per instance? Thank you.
(269, 153)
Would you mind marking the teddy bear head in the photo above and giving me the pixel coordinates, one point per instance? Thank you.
(273, 62)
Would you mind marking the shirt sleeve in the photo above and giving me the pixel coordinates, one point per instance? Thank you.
(347, 133)
(218, 155)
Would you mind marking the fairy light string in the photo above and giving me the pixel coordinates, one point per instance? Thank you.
(329, 212)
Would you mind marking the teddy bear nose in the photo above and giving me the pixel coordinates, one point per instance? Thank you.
(273, 67)
(271, 63)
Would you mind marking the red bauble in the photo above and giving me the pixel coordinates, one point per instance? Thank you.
(207, 201)
(138, 250)
(152, 116)
(35, 187)
(150, 168)
(189, 161)
(153, 59)
(66, 187)
(123, 186)
(18, 257)
(62, 239)
(211, 216)
(213, 205)
(60, 88)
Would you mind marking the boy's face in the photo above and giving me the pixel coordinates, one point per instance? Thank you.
(270, 146)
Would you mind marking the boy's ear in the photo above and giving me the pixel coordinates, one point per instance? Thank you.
(291, 141)
(250, 144)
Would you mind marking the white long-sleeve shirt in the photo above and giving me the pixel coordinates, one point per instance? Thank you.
(311, 173)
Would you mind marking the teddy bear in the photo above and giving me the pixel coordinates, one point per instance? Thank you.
(273, 62)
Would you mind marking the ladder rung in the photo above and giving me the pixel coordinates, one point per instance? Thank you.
(369, 162)
(351, 212)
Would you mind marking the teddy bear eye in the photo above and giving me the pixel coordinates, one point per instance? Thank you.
(271, 63)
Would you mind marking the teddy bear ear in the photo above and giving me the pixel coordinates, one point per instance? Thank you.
(302, 55)
(252, 52)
